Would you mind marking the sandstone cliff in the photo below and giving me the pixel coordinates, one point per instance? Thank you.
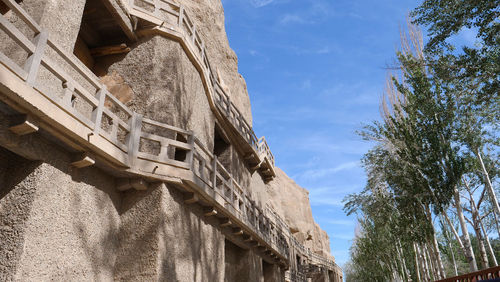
(208, 16)
(291, 202)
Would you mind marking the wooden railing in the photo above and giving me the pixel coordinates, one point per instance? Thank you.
(482, 275)
(265, 152)
(315, 259)
(83, 109)
(174, 18)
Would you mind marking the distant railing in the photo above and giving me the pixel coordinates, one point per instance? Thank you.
(264, 150)
(482, 275)
(315, 259)
(174, 16)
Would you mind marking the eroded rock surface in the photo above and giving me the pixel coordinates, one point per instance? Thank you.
(208, 16)
(291, 202)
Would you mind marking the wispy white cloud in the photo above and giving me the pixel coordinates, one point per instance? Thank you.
(316, 12)
(322, 172)
(306, 84)
(331, 201)
(260, 3)
(343, 236)
(292, 19)
(324, 50)
(341, 222)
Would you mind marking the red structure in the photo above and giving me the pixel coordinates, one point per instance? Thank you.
(489, 274)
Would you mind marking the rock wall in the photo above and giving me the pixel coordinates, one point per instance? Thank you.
(55, 223)
(291, 202)
(208, 16)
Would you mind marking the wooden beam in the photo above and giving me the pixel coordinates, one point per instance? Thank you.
(109, 50)
(123, 184)
(191, 198)
(209, 211)
(83, 160)
(255, 167)
(237, 231)
(139, 184)
(22, 125)
(226, 222)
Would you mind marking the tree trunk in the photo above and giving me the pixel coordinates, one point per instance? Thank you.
(457, 237)
(423, 264)
(448, 240)
(480, 227)
(428, 262)
(469, 253)
(480, 242)
(492, 253)
(435, 248)
(417, 268)
(493, 197)
(496, 224)
(405, 269)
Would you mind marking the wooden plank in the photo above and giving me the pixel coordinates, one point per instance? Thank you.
(16, 35)
(6, 61)
(166, 126)
(226, 222)
(22, 125)
(32, 65)
(77, 65)
(210, 211)
(191, 198)
(83, 160)
(139, 184)
(116, 118)
(158, 160)
(181, 15)
(23, 15)
(110, 50)
(98, 111)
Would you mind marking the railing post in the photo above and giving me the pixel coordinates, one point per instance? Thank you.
(181, 15)
(193, 37)
(190, 154)
(157, 8)
(97, 112)
(203, 52)
(32, 65)
(134, 137)
(214, 176)
(233, 196)
(68, 94)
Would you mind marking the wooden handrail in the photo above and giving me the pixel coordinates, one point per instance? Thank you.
(489, 273)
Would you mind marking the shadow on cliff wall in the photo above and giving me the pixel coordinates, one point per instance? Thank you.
(16, 200)
(97, 245)
(185, 245)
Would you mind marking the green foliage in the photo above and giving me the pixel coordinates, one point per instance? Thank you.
(443, 112)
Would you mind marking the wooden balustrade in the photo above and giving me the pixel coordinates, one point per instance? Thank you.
(482, 275)
(188, 28)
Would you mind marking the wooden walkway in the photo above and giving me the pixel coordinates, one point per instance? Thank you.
(73, 110)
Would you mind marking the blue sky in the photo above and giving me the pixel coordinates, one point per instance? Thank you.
(315, 71)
